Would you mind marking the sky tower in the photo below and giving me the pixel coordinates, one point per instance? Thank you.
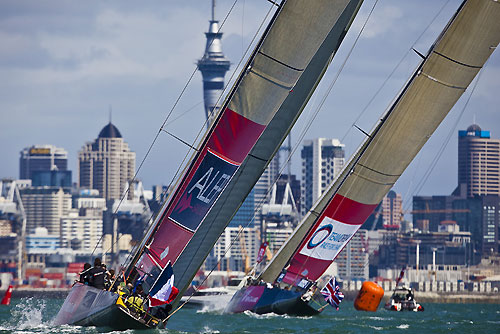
(213, 66)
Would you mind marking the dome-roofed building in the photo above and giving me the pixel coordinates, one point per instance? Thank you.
(110, 131)
(107, 163)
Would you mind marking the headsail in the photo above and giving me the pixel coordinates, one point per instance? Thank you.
(293, 37)
(449, 67)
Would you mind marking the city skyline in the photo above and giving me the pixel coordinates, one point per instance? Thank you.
(73, 63)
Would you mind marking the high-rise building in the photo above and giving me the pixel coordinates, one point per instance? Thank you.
(392, 210)
(106, 164)
(81, 228)
(478, 161)
(235, 249)
(53, 178)
(352, 261)
(262, 188)
(322, 161)
(213, 66)
(42, 158)
(44, 207)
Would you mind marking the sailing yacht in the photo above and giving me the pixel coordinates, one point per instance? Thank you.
(289, 284)
(254, 119)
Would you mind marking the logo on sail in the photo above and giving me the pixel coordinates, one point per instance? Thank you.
(319, 236)
(206, 184)
(328, 239)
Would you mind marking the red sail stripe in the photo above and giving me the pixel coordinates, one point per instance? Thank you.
(232, 139)
(348, 211)
(235, 135)
(342, 209)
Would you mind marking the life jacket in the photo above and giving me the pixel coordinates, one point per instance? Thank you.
(136, 303)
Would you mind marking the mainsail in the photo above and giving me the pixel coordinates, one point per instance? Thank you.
(450, 65)
(294, 36)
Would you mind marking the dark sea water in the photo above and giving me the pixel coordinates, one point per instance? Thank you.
(34, 315)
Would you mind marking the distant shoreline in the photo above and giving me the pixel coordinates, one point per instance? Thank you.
(421, 297)
(443, 298)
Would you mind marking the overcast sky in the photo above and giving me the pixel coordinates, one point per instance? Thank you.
(65, 64)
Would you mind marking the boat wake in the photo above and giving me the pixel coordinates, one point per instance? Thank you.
(214, 304)
(272, 315)
(29, 314)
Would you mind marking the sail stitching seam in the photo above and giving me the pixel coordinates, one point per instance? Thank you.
(456, 61)
(280, 62)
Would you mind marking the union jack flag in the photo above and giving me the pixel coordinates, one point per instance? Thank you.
(332, 293)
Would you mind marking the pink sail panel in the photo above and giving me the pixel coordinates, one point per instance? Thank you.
(336, 226)
(227, 147)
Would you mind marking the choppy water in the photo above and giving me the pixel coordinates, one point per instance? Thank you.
(34, 315)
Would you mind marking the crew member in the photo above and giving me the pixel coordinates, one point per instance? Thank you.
(97, 275)
(136, 301)
(84, 275)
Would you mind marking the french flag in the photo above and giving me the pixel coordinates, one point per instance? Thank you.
(164, 291)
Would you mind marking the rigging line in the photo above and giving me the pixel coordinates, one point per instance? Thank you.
(311, 120)
(395, 68)
(184, 113)
(439, 153)
(383, 120)
(308, 125)
(181, 140)
(165, 121)
(241, 60)
(334, 81)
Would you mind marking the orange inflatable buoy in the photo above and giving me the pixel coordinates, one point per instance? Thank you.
(369, 297)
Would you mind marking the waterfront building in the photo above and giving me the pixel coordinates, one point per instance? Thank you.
(42, 158)
(241, 250)
(44, 207)
(478, 161)
(392, 211)
(52, 178)
(322, 161)
(107, 164)
(352, 261)
(213, 67)
(41, 239)
(451, 246)
(130, 215)
(280, 215)
(82, 227)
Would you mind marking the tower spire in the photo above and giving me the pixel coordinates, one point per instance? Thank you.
(213, 67)
(213, 10)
